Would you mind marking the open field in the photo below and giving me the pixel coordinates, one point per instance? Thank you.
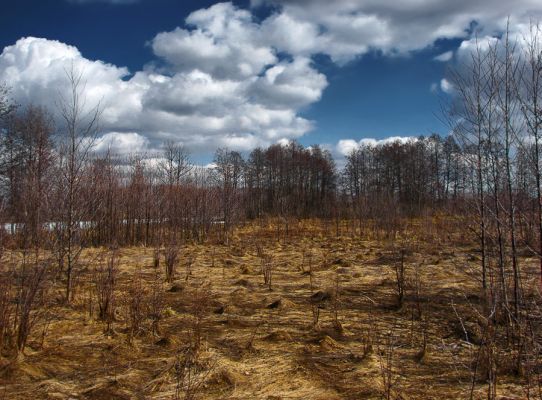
(271, 199)
(256, 342)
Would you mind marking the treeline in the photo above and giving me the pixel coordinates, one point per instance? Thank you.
(57, 193)
(54, 185)
(50, 181)
(409, 176)
(54, 188)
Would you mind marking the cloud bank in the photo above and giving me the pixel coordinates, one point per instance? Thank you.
(225, 78)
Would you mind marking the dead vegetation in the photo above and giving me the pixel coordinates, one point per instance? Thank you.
(347, 318)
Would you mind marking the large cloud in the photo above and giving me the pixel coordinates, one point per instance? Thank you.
(345, 29)
(197, 108)
(37, 71)
(224, 42)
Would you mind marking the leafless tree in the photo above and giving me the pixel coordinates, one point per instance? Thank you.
(80, 131)
(156, 258)
(175, 164)
(508, 107)
(267, 270)
(400, 277)
(531, 108)
(105, 282)
(228, 173)
(136, 300)
(31, 295)
(472, 109)
(171, 260)
(30, 148)
(387, 349)
(156, 304)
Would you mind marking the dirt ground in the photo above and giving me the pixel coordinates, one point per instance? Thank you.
(262, 343)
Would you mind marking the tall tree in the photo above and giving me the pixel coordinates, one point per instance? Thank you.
(531, 108)
(79, 135)
(228, 169)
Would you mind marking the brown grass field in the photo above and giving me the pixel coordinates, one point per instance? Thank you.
(262, 343)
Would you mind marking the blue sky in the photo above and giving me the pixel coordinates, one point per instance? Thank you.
(378, 97)
(247, 73)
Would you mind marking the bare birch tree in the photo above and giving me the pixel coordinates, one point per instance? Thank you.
(79, 136)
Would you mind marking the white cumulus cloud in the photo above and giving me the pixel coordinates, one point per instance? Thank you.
(201, 109)
(346, 29)
(223, 41)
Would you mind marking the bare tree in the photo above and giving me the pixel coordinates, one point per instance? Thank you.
(29, 143)
(136, 304)
(228, 172)
(30, 299)
(80, 130)
(171, 260)
(175, 164)
(508, 105)
(173, 170)
(105, 282)
(23, 297)
(531, 108)
(400, 277)
(472, 111)
(156, 304)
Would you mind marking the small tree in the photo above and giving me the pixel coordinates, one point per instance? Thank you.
(336, 303)
(266, 265)
(400, 279)
(136, 301)
(6, 309)
(156, 304)
(156, 258)
(267, 270)
(171, 259)
(31, 299)
(387, 360)
(105, 280)
(189, 262)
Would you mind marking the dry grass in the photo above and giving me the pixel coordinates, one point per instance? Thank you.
(258, 343)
